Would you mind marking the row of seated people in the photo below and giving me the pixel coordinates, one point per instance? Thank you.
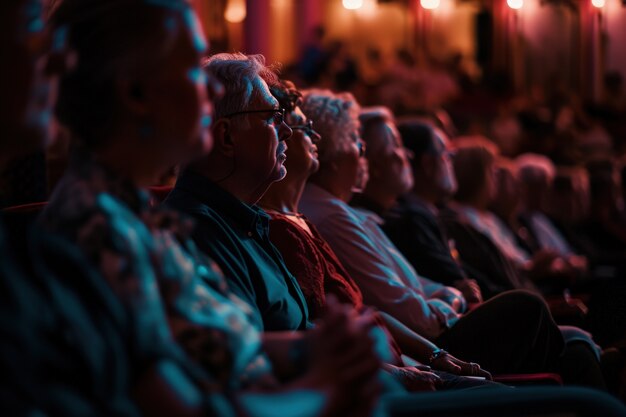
(205, 305)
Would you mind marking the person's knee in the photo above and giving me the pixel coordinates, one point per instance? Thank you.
(522, 302)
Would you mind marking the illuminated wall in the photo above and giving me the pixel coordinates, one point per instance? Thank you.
(542, 40)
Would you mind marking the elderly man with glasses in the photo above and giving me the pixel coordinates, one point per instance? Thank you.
(221, 191)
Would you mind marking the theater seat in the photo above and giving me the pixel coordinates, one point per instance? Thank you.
(30, 208)
(521, 402)
(544, 378)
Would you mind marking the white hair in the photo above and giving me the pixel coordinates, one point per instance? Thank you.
(238, 73)
(335, 116)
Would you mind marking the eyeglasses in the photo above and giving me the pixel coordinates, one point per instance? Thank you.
(278, 115)
(307, 128)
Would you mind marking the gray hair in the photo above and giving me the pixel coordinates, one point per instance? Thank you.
(335, 117)
(238, 73)
(534, 167)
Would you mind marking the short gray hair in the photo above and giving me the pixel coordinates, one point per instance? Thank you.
(237, 73)
(334, 116)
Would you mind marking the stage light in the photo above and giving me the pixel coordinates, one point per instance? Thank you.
(598, 3)
(235, 11)
(515, 4)
(352, 4)
(430, 4)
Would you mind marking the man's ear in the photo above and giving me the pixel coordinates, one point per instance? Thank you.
(132, 96)
(222, 138)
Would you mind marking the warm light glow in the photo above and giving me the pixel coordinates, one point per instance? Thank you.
(430, 4)
(235, 11)
(598, 3)
(515, 4)
(352, 4)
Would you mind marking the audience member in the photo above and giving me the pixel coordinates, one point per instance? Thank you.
(26, 311)
(412, 223)
(484, 242)
(221, 190)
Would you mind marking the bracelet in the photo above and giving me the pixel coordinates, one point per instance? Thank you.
(436, 354)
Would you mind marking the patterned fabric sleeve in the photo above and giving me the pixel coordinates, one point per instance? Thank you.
(173, 293)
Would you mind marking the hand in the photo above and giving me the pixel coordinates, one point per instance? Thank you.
(452, 297)
(470, 290)
(543, 263)
(342, 343)
(578, 263)
(343, 361)
(452, 365)
(414, 379)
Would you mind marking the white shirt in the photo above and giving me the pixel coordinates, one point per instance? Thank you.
(549, 236)
(491, 226)
(386, 279)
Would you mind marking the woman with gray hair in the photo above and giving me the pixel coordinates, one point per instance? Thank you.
(343, 168)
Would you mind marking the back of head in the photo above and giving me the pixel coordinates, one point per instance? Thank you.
(336, 118)
(506, 196)
(603, 180)
(569, 196)
(535, 169)
(237, 72)
(371, 119)
(475, 156)
(417, 136)
(113, 39)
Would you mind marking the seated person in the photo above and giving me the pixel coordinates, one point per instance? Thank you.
(491, 334)
(221, 189)
(60, 353)
(173, 295)
(311, 259)
(535, 174)
(412, 223)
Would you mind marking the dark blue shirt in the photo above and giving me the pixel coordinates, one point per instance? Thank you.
(236, 236)
(417, 232)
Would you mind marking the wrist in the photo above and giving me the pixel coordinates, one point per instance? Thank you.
(436, 354)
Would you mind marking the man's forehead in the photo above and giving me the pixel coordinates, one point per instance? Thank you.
(263, 93)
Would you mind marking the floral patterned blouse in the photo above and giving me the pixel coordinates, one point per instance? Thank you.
(171, 291)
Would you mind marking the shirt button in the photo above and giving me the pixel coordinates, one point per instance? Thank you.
(249, 234)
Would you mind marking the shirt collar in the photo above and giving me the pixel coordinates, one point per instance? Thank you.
(248, 217)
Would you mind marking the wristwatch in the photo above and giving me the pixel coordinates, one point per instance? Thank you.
(436, 354)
